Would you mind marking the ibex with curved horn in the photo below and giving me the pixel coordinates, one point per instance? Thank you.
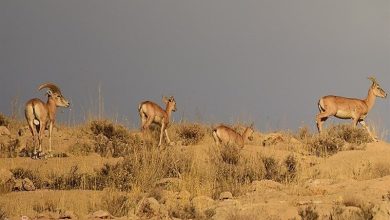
(39, 115)
(150, 113)
(349, 108)
(226, 135)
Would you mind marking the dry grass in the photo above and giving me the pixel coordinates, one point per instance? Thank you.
(334, 139)
(119, 168)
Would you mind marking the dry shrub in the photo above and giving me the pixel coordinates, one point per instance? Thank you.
(47, 206)
(335, 139)
(190, 134)
(72, 180)
(368, 170)
(113, 139)
(81, 149)
(233, 172)
(4, 121)
(283, 172)
(10, 148)
(143, 167)
(308, 213)
(3, 213)
(367, 208)
(21, 173)
(231, 154)
(116, 203)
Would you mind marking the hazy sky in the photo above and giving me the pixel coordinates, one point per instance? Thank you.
(224, 60)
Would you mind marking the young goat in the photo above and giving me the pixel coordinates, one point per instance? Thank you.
(150, 113)
(226, 136)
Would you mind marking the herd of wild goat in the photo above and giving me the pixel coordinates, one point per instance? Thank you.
(41, 116)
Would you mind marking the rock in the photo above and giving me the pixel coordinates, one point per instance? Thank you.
(382, 211)
(351, 212)
(4, 131)
(101, 215)
(266, 185)
(7, 180)
(273, 139)
(5, 176)
(28, 185)
(173, 184)
(18, 186)
(225, 196)
(150, 207)
(201, 205)
(68, 215)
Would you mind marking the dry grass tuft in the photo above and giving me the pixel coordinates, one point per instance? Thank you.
(4, 121)
(190, 134)
(334, 139)
(113, 139)
(308, 213)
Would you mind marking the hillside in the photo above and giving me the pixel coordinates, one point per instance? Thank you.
(104, 166)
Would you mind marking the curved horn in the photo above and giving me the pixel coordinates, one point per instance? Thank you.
(373, 80)
(50, 86)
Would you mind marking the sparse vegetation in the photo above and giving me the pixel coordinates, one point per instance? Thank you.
(308, 213)
(334, 139)
(136, 164)
(9, 148)
(4, 120)
(190, 134)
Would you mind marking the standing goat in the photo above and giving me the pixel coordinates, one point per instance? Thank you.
(39, 115)
(349, 108)
(150, 113)
(226, 135)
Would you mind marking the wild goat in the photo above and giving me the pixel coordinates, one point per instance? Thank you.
(39, 115)
(226, 136)
(150, 113)
(349, 108)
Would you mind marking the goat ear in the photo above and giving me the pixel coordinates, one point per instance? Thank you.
(49, 92)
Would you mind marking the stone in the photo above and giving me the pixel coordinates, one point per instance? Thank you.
(149, 207)
(100, 214)
(201, 204)
(68, 215)
(225, 196)
(273, 139)
(28, 185)
(4, 131)
(18, 186)
(7, 180)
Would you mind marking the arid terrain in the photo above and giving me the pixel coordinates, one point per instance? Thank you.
(102, 170)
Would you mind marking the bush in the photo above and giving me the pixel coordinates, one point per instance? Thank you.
(81, 149)
(144, 167)
(4, 121)
(235, 175)
(190, 134)
(116, 203)
(309, 213)
(334, 139)
(10, 148)
(21, 173)
(113, 139)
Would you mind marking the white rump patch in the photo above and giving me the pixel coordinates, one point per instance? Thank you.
(36, 122)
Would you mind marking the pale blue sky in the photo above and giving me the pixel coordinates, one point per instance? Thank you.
(223, 60)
